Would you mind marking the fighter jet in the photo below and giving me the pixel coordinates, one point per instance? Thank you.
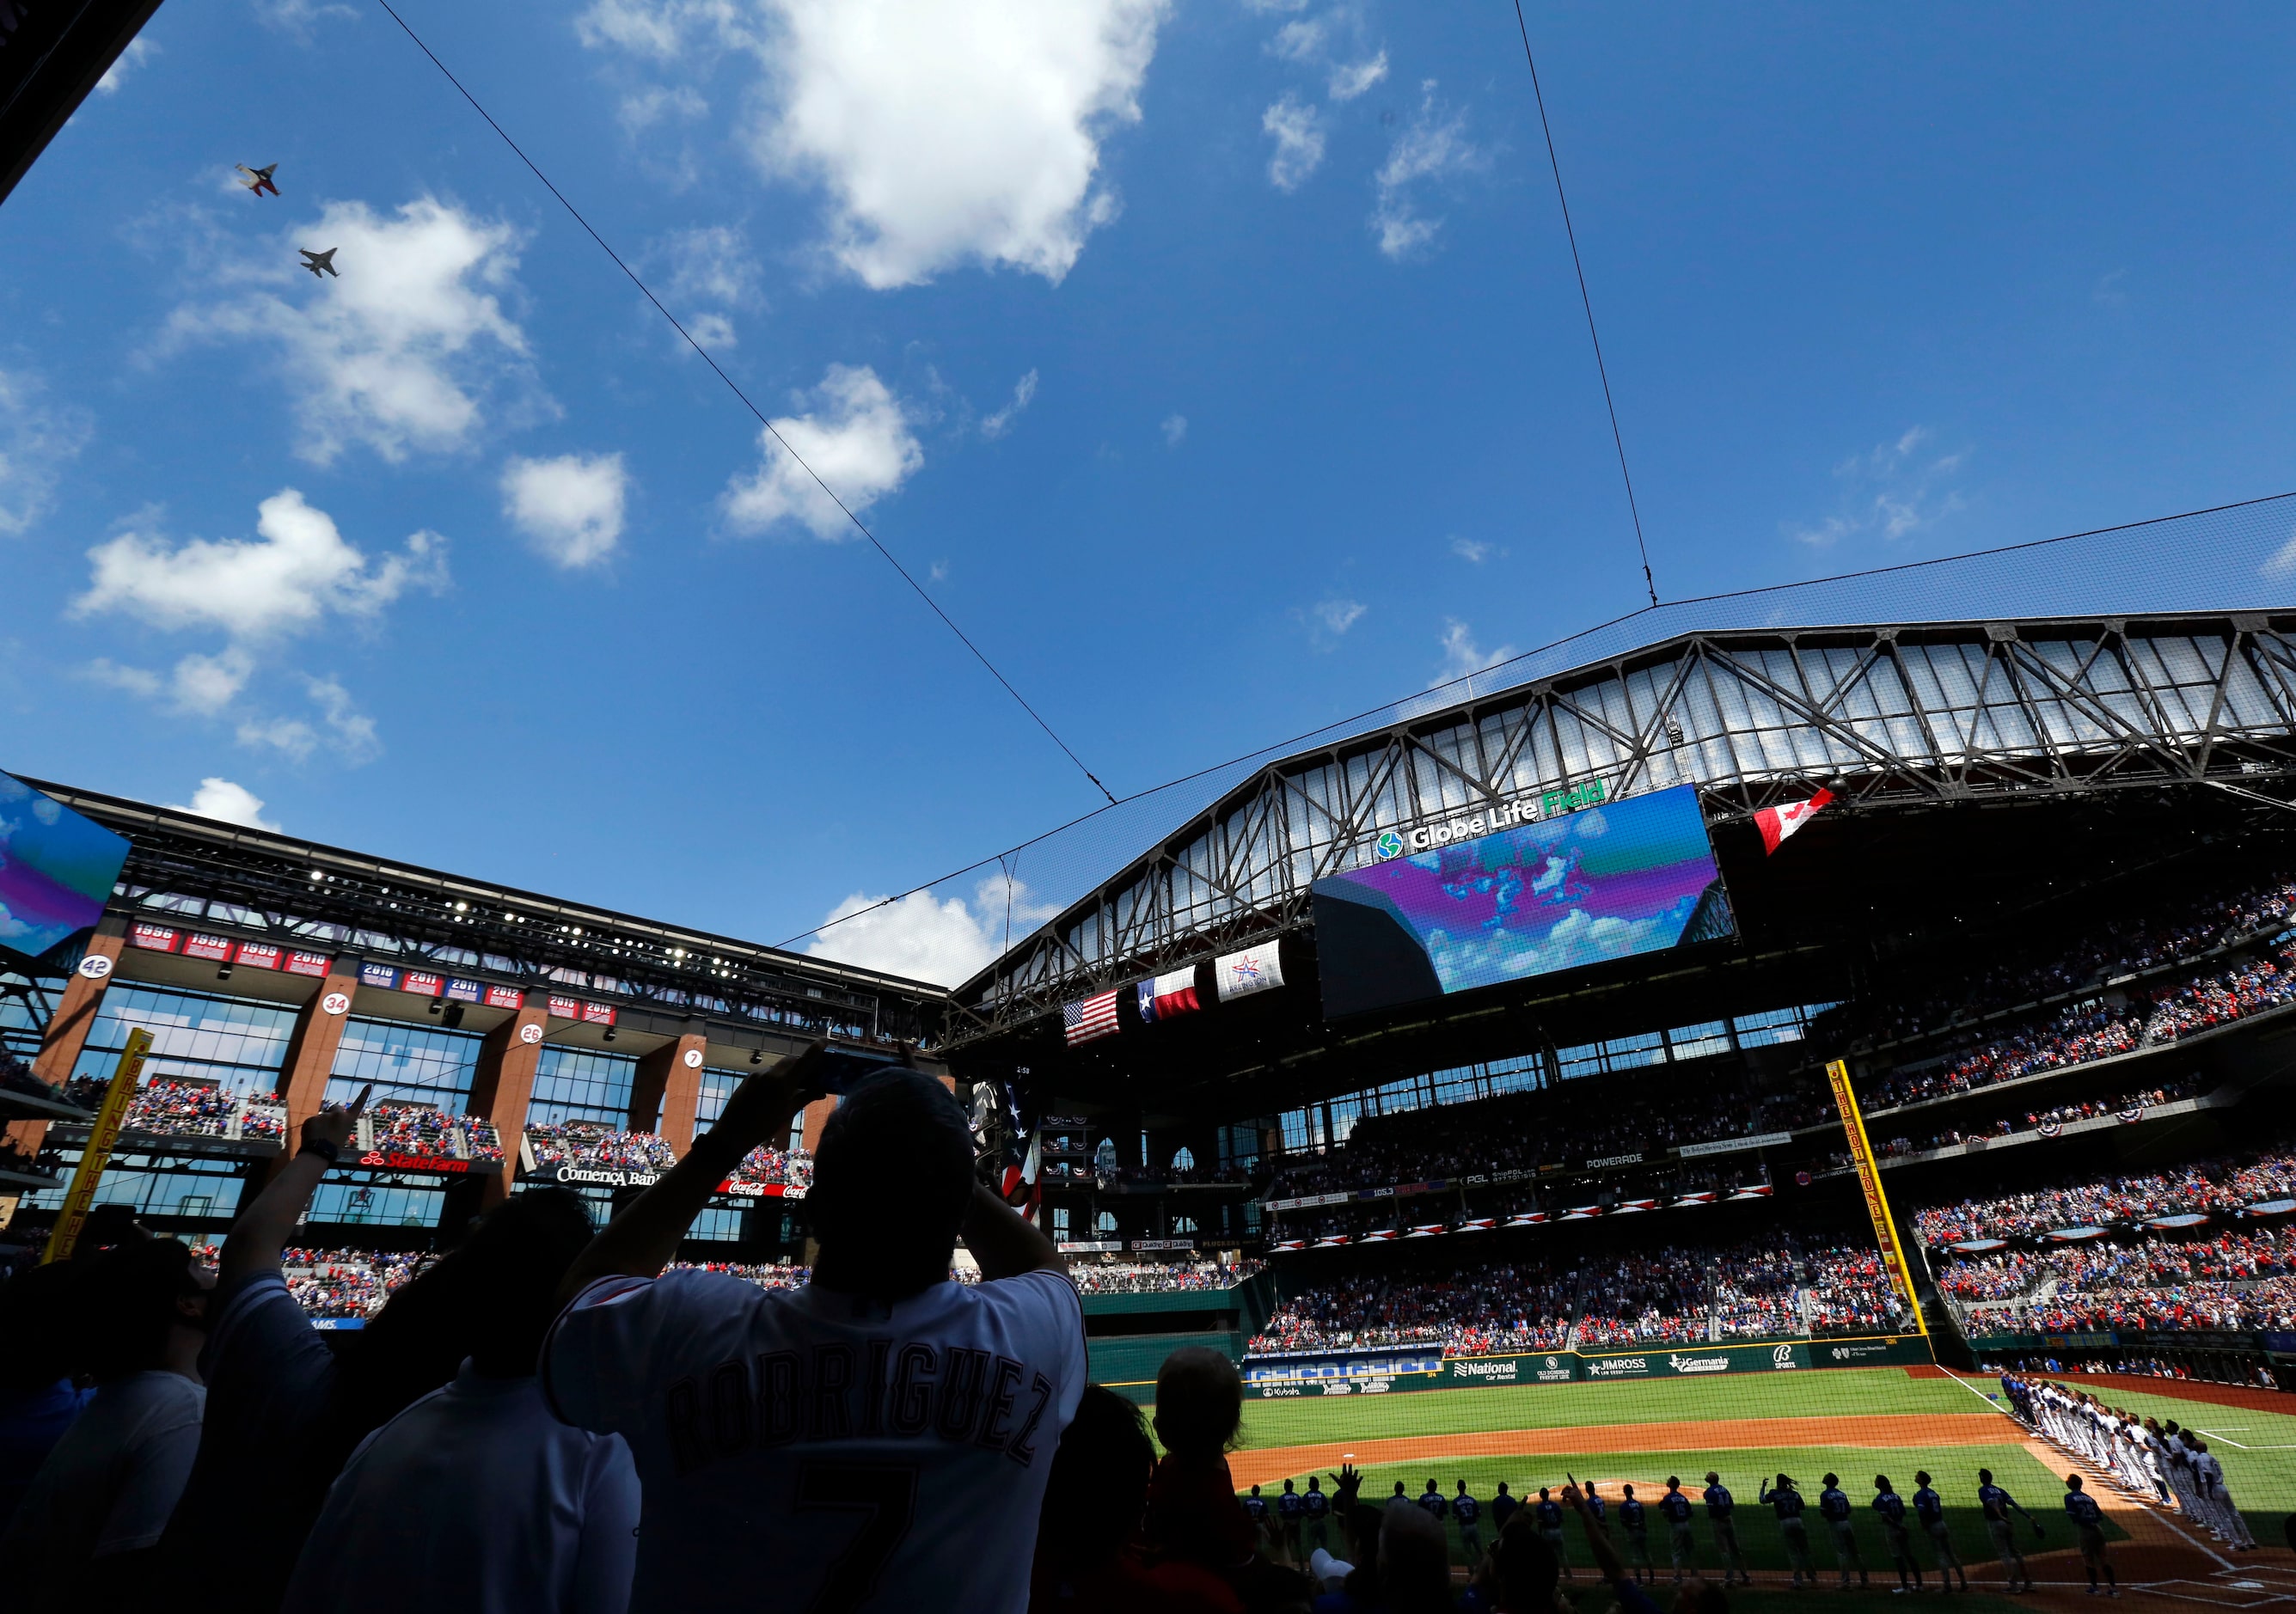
(259, 180)
(319, 263)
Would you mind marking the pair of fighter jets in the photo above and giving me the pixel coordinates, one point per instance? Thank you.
(259, 180)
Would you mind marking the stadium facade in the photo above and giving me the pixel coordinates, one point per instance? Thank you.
(268, 965)
(1177, 1038)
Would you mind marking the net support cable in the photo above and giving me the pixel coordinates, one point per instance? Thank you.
(763, 419)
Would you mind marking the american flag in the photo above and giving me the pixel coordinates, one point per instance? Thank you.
(1093, 1017)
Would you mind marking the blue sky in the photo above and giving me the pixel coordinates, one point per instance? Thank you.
(1220, 364)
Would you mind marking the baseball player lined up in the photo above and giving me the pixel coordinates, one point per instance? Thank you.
(1892, 1507)
(1632, 1520)
(1833, 1507)
(1675, 1508)
(1722, 1516)
(1548, 1514)
(1929, 1507)
(1786, 1503)
(1316, 1509)
(1996, 1505)
(880, 1432)
(1469, 1512)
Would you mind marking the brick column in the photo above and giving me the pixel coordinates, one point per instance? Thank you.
(75, 1016)
(311, 1048)
(504, 1084)
(667, 1084)
(816, 1116)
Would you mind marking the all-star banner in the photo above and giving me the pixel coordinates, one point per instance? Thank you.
(1254, 970)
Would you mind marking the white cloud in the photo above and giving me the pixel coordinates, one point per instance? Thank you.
(1175, 430)
(1338, 615)
(1895, 488)
(1024, 392)
(858, 441)
(1462, 655)
(1432, 146)
(1297, 132)
(2282, 562)
(1472, 549)
(36, 440)
(946, 941)
(1299, 40)
(299, 18)
(298, 571)
(405, 350)
(139, 51)
(569, 508)
(942, 133)
(339, 726)
(207, 684)
(1348, 81)
(643, 110)
(220, 799)
(712, 273)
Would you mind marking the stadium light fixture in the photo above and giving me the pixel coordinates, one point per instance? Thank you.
(609, 1034)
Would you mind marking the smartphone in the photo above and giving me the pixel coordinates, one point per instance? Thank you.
(842, 1069)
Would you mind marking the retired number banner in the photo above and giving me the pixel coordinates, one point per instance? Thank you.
(1869, 1180)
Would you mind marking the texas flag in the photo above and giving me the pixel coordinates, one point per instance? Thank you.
(1168, 994)
(1778, 822)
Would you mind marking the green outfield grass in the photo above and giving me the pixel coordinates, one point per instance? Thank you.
(1833, 1392)
(1953, 1468)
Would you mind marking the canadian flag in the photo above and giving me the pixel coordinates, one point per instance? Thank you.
(1777, 822)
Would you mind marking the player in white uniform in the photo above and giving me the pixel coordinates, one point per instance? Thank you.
(878, 1439)
(2229, 1523)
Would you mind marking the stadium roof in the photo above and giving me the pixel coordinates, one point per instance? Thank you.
(1895, 716)
(301, 891)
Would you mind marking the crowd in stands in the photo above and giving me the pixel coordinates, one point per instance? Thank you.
(340, 1283)
(767, 1165)
(776, 1276)
(1645, 1298)
(2235, 1278)
(1583, 1119)
(187, 1109)
(2056, 1115)
(1756, 1291)
(1850, 1293)
(2096, 1030)
(2119, 945)
(1158, 1277)
(596, 1143)
(1468, 1310)
(2212, 1187)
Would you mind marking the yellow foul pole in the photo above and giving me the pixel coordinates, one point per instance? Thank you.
(101, 1137)
(1869, 1179)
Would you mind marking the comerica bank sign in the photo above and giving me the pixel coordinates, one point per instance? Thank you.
(1507, 814)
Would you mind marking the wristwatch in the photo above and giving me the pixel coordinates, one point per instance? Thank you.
(324, 1150)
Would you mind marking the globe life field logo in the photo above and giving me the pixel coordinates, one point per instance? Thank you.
(1389, 846)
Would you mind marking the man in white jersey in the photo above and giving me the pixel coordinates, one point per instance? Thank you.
(877, 1439)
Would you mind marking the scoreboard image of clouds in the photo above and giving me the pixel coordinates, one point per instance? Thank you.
(1607, 882)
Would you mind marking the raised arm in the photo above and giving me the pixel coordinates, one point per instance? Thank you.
(640, 1242)
(1606, 1555)
(256, 1239)
(1003, 1242)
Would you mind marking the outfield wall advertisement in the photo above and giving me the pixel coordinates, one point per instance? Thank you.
(1382, 1373)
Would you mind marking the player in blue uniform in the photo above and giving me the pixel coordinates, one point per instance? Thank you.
(1722, 1514)
(1503, 1507)
(1996, 1505)
(1787, 1502)
(1674, 1507)
(1431, 1503)
(1632, 1520)
(2088, 1529)
(1287, 1523)
(1892, 1507)
(1548, 1513)
(1833, 1507)
(1929, 1507)
(1255, 1507)
(1469, 1512)
(1316, 1509)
